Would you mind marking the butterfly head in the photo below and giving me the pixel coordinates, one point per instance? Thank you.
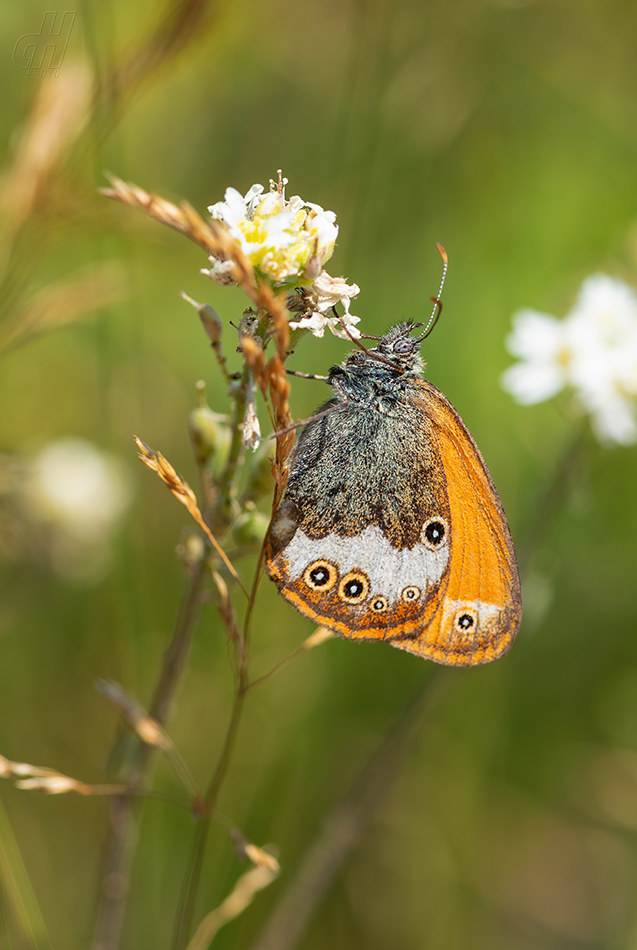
(397, 352)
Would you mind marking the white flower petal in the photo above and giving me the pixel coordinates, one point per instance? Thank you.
(531, 383)
(236, 207)
(594, 350)
(283, 239)
(614, 421)
(252, 199)
(535, 336)
(231, 211)
(336, 326)
(316, 322)
(295, 204)
(222, 272)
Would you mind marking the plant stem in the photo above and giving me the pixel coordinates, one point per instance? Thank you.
(550, 497)
(191, 884)
(344, 825)
(186, 911)
(227, 478)
(121, 842)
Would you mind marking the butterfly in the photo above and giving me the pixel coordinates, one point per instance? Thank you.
(390, 527)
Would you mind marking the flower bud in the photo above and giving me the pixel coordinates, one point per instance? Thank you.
(209, 317)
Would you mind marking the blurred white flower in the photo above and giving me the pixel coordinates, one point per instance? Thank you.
(593, 350)
(283, 238)
(80, 494)
(326, 292)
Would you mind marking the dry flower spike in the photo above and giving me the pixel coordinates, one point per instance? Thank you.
(182, 491)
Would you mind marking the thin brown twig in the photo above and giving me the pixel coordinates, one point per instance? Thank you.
(149, 731)
(319, 636)
(120, 845)
(191, 883)
(343, 827)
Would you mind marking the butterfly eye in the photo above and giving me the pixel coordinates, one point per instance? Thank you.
(320, 575)
(466, 621)
(411, 594)
(434, 533)
(380, 604)
(404, 346)
(354, 588)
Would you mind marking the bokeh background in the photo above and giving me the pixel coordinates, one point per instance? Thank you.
(505, 130)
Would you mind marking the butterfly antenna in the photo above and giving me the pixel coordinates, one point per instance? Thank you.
(437, 310)
(346, 329)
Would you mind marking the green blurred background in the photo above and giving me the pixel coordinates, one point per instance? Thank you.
(505, 130)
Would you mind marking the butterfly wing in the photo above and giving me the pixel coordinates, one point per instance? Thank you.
(480, 612)
(414, 549)
(361, 541)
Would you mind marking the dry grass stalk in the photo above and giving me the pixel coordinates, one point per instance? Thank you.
(261, 858)
(216, 242)
(224, 606)
(184, 219)
(182, 23)
(36, 778)
(245, 850)
(149, 731)
(317, 638)
(59, 113)
(279, 388)
(255, 358)
(183, 493)
(66, 301)
(321, 635)
(240, 897)
(147, 728)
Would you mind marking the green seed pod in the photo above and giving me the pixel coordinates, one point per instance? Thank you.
(211, 322)
(191, 548)
(250, 528)
(260, 483)
(208, 433)
(210, 319)
(224, 513)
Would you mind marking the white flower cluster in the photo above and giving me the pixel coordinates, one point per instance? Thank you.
(593, 350)
(287, 241)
